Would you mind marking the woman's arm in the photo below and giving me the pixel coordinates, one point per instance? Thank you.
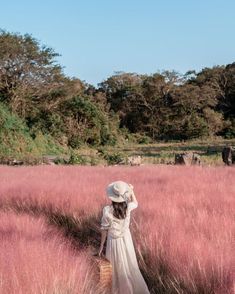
(103, 239)
(133, 197)
(105, 225)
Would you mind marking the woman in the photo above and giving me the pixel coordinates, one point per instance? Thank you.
(126, 276)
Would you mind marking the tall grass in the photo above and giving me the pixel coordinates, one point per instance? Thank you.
(183, 229)
(37, 259)
(187, 230)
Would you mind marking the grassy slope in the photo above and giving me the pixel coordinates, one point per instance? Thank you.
(16, 142)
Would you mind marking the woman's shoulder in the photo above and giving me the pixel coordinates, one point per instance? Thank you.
(106, 209)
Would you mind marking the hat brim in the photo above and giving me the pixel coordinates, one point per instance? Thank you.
(112, 196)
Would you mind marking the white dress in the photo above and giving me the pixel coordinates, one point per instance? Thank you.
(126, 276)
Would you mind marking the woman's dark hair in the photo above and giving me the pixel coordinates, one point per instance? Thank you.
(119, 209)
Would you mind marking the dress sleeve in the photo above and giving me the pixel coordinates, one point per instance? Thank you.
(132, 205)
(105, 220)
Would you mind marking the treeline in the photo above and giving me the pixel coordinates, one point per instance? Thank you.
(162, 106)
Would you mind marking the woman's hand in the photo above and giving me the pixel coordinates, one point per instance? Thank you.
(131, 186)
(132, 192)
(100, 251)
(103, 238)
(132, 196)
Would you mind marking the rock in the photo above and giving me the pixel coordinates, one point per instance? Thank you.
(54, 159)
(134, 160)
(196, 159)
(228, 155)
(187, 158)
(170, 163)
(15, 162)
(49, 159)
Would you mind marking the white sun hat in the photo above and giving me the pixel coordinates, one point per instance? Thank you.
(119, 191)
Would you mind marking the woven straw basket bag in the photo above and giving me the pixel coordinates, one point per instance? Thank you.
(105, 273)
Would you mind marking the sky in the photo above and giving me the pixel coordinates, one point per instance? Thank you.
(97, 38)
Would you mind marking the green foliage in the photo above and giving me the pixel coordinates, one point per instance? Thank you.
(47, 145)
(86, 123)
(77, 159)
(142, 139)
(194, 126)
(17, 142)
(168, 106)
(136, 138)
(27, 71)
(46, 112)
(94, 161)
(114, 157)
(230, 130)
(75, 141)
(14, 136)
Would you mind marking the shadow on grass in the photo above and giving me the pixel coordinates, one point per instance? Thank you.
(82, 232)
(161, 280)
(158, 275)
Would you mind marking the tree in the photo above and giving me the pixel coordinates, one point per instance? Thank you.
(229, 99)
(83, 121)
(27, 71)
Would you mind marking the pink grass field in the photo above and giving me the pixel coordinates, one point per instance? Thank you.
(37, 259)
(183, 229)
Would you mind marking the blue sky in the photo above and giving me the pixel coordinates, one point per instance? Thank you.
(99, 37)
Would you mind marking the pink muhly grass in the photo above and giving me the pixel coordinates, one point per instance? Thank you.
(184, 226)
(65, 187)
(187, 221)
(37, 259)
